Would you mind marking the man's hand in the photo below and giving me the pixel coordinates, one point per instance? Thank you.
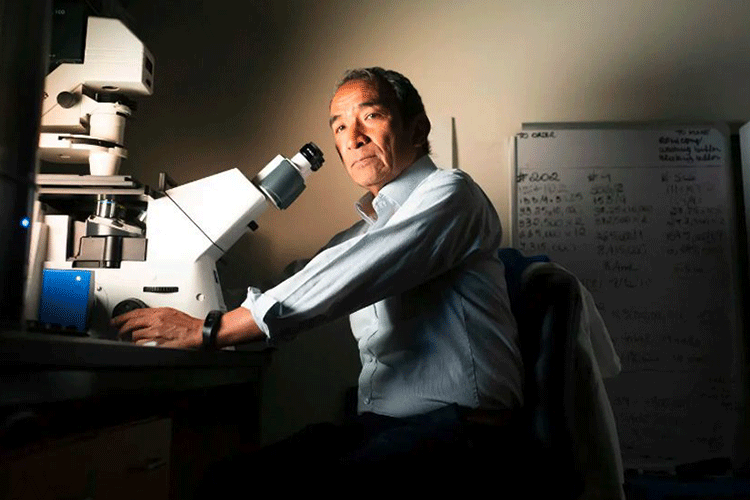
(166, 326)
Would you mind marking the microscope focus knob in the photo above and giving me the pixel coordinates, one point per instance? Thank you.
(67, 99)
(128, 305)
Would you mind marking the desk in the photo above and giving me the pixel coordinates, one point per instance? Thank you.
(53, 387)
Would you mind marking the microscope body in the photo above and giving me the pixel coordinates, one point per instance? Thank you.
(104, 244)
(172, 263)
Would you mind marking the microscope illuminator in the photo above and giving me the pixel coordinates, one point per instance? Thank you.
(86, 105)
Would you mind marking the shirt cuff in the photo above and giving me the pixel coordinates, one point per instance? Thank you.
(258, 304)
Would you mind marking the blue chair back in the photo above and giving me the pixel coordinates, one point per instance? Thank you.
(546, 302)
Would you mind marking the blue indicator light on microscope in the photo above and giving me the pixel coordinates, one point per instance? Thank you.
(25, 222)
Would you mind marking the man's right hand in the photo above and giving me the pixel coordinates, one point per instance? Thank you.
(165, 326)
(172, 328)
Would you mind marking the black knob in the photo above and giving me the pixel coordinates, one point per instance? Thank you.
(67, 99)
(128, 305)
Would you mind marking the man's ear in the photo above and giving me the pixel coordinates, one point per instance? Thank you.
(422, 129)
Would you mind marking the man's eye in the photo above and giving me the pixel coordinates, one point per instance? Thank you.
(339, 128)
(372, 115)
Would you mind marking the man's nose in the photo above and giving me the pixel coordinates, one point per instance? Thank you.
(357, 138)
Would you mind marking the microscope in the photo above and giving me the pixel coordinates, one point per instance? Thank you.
(103, 244)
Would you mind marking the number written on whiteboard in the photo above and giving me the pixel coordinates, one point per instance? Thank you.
(538, 177)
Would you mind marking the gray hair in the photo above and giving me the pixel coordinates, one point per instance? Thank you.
(408, 99)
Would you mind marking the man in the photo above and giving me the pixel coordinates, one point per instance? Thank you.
(419, 276)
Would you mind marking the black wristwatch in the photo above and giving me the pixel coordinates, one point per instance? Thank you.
(210, 329)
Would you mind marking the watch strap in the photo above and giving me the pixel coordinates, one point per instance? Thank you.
(210, 329)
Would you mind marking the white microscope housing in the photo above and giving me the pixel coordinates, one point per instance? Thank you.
(86, 105)
(152, 249)
(131, 246)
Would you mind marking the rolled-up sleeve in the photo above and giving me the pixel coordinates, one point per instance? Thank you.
(434, 231)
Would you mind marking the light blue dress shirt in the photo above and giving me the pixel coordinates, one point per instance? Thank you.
(426, 293)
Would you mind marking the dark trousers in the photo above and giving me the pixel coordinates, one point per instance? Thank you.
(426, 451)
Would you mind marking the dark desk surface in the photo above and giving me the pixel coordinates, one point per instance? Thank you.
(40, 367)
(56, 390)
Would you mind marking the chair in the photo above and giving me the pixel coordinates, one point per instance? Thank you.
(546, 302)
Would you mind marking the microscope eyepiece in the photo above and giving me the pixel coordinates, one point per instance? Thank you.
(282, 179)
(313, 154)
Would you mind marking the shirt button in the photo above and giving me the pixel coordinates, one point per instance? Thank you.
(367, 401)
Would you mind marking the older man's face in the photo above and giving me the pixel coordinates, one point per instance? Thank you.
(371, 138)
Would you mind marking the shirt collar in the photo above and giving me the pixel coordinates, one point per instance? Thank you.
(379, 208)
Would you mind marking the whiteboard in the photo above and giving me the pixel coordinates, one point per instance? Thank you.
(645, 218)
